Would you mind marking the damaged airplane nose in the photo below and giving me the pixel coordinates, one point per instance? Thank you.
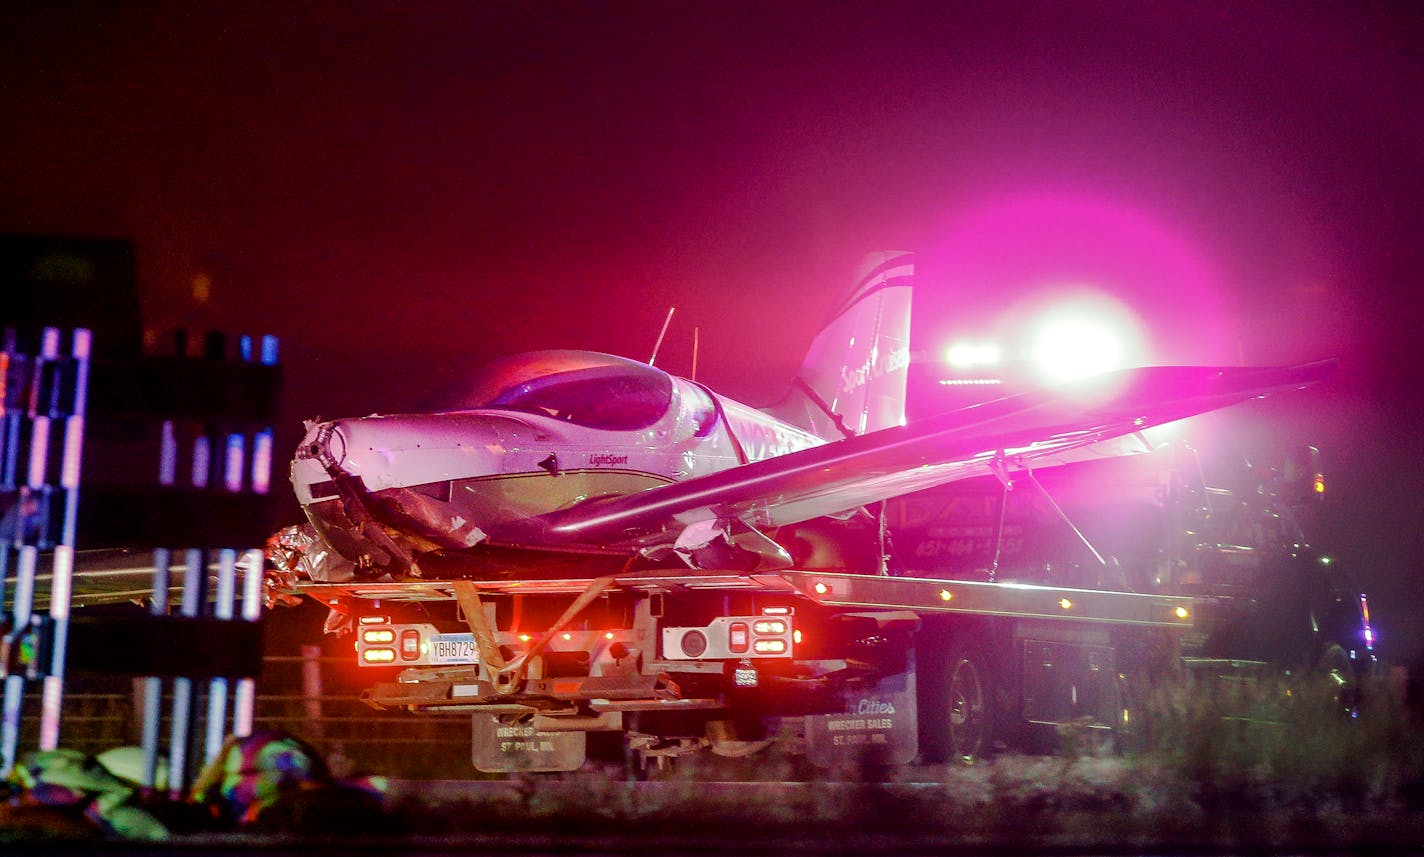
(382, 490)
(324, 443)
(317, 461)
(418, 452)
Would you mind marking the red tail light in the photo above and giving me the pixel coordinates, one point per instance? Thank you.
(738, 637)
(409, 645)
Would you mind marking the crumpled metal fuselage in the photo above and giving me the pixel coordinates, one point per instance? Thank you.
(393, 492)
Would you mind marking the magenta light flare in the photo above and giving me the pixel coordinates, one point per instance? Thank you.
(1007, 260)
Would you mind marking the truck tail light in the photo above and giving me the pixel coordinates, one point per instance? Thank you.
(410, 645)
(737, 638)
(694, 644)
(415, 644)
(731, 637)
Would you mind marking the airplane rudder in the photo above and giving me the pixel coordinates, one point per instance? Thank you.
(882, 269)
(857, 363)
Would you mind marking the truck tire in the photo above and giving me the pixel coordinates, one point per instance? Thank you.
(1339, 673)
(1127, 735)
(969, 711)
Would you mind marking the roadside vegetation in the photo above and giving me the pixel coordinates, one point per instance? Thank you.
(1266, 764)
(1271, 763)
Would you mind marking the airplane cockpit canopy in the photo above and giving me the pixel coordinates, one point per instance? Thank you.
(585, 388)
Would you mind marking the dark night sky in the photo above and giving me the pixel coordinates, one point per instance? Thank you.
(403, 190)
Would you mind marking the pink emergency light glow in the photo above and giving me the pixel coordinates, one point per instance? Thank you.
(1015, 261)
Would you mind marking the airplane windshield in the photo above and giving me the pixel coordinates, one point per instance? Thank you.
(616, 398)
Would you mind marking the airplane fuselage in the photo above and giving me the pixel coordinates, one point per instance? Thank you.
(557, 429)
(557, 461)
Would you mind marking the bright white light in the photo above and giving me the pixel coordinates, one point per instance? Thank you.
(1070, 332)
(963, 355)
(1069, 348)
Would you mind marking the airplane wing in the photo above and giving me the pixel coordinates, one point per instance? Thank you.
(1038, 428)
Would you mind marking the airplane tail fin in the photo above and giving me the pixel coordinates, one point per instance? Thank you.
(852, 380)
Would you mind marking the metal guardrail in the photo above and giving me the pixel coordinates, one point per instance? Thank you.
(352, 737)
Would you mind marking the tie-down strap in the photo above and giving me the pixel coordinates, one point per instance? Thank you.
(506, 675)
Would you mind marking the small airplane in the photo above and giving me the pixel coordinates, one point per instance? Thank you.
(573, 463)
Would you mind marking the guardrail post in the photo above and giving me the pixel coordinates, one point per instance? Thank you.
(245, 699)
(217, 685)
(153, 685)
(62, 580)
(183, 716)
(312, 690)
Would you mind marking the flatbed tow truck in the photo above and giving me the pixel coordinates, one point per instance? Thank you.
(943, 664)
(861, 668)
(588, 544)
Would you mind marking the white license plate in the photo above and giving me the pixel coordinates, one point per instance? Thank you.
(451, 649)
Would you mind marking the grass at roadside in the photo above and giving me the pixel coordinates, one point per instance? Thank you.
(1267, 764)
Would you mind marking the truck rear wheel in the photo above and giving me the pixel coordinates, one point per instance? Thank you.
(1339, 675)
(970, 717)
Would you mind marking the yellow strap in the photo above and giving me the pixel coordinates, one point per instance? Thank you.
(505, 675)
(469, 598)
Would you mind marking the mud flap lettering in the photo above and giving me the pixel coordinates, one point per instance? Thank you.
(878, 726)
(499, 748)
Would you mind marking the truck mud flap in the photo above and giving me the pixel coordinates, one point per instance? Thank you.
(878, 726)
(498, 747)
